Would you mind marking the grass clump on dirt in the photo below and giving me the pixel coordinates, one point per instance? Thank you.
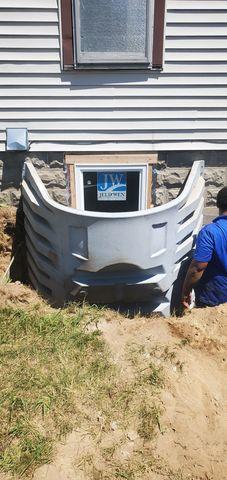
(149, 419)
(57, 376)
(49, 364)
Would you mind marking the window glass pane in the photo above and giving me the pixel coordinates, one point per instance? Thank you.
(93, 202)
(113, 26)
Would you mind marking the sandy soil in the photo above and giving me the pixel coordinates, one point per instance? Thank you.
(15, 292)
(7, 225)
(193, 439)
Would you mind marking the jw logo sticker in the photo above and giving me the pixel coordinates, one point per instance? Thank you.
(112, 186)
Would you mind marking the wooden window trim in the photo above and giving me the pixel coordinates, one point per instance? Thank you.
(67, 35)
(109, 158)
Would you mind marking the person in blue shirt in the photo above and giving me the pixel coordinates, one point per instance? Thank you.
(207, 273)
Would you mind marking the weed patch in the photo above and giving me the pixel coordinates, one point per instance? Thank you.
(149, 416)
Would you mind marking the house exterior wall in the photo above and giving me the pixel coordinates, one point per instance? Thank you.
(182, 107)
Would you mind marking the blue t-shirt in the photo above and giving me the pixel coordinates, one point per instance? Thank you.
(211, 247)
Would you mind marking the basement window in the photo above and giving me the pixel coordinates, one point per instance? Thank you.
(111, 189)
(110, 183)
(112, 33)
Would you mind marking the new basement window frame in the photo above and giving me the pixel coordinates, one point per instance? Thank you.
(142, 169)
(155, 38)
(77, 163)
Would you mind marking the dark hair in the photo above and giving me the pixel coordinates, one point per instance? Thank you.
(222, 199)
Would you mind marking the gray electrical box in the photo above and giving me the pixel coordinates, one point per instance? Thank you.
(16, 139)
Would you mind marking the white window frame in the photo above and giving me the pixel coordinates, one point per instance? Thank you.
(143, 180)
(119, 58)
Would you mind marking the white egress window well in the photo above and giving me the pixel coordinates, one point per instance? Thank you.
(113, 31)
(111, 257)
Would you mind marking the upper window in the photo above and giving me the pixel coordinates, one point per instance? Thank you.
(105, 33)
(113, 31)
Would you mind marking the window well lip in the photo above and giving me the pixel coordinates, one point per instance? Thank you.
(197, 169)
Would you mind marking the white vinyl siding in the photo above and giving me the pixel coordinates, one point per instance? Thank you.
(182, 107)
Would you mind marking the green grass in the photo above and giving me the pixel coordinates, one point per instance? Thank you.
(50, 366)
(149, 416)
(56, 376)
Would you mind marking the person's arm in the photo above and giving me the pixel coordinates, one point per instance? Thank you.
(194, 274)
(202, 256)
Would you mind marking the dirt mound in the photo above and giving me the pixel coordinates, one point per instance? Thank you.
(191, 438)
(7, 228)
(192, 352)
(17, 294)
(203, 328)
(14, 293)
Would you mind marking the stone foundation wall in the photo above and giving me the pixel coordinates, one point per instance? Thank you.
(172, 169)
(169, 175)
(49, 167)
(52, 173)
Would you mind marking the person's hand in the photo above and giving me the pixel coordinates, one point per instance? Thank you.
(186, 300)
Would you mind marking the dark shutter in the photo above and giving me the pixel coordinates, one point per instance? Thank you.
(67, 33)
(159, 24)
